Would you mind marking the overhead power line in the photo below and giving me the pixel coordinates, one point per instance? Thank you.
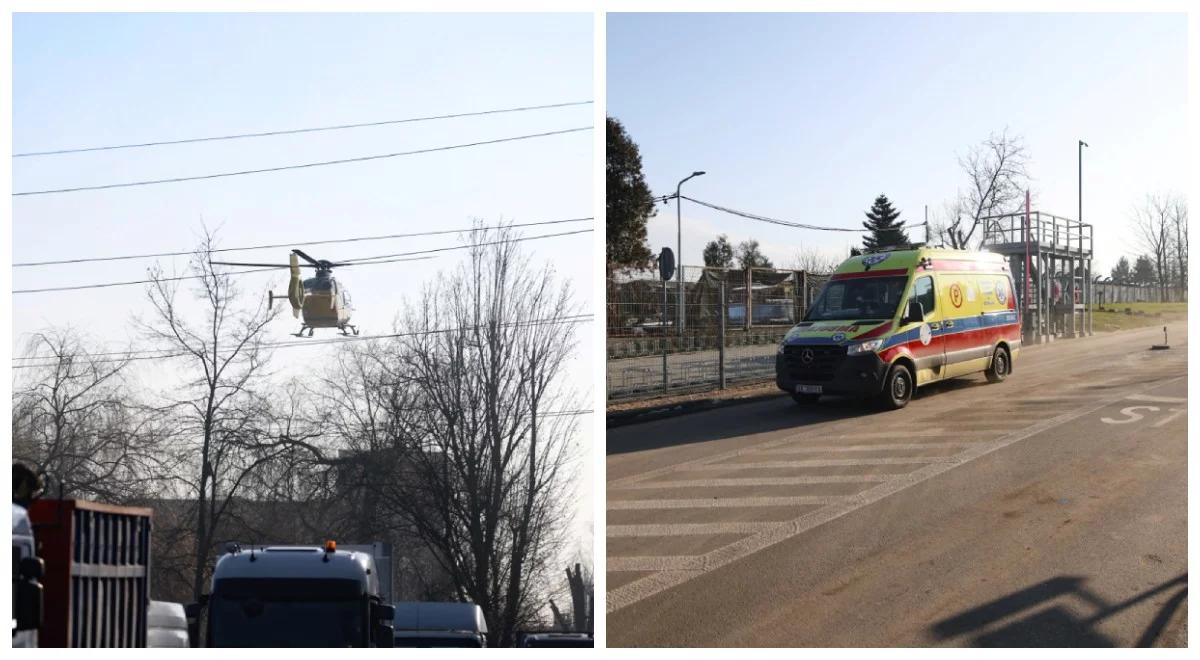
(282, 168)
(163, 354)
(357, 239)
(366, 261)
(776, 221)
(179, 278)
(294, 131)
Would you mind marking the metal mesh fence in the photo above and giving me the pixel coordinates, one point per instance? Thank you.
(720, 326)
(1114, 294)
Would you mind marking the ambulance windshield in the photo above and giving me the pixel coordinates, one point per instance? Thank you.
(858, 299)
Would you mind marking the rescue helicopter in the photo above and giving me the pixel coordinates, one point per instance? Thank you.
(323, 302)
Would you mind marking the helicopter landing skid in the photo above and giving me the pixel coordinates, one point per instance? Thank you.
(302, 329)
(353, 328)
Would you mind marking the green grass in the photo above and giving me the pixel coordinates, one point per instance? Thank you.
(1142, 315)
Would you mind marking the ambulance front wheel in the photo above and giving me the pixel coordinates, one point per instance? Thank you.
(1001, 365)
(897, 388)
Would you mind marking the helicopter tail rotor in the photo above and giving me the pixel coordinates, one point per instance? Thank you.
(295, 288)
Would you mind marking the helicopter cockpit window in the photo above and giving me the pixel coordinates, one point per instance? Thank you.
(318, 285)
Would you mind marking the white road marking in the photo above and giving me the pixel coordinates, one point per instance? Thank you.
(1157, 399)
(650, 585)
(1130, 415)
(1168, 418)
(857, 448)
(824, 462)
(688, 529)
(822, 434)
(758, 481)
(666, 563)
(722, 502)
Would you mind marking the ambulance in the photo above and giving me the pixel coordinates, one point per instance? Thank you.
(887, 323)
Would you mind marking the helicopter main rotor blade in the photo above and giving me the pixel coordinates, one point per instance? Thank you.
(307, 258)
(243, 263)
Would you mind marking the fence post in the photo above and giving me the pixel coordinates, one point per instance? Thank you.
(749, 298)
(664, 334)
(721, 338)
(803, 295)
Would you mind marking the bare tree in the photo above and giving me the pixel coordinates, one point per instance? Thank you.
(349, 402)
(1152, 222)
(996, 182)
(1179, 218)
(75, 420)
(226, 429)
(813, 260)
(581, 591)
(483, 474)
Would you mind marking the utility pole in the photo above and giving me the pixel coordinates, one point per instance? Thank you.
(926, 225)
(1082, 144)
(679, 315)
(1087, 276)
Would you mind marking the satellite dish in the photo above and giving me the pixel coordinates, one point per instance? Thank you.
(666, 264)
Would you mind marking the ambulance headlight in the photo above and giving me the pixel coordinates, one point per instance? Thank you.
(865, 347)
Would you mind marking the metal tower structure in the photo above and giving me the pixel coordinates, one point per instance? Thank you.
(1051, 260)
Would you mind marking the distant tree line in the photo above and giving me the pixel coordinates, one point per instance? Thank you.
(1160, 225)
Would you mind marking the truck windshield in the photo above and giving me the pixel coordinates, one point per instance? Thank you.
(287, 613)
(860, 298)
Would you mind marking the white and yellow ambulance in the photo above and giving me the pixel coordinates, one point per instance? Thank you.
(889, 322)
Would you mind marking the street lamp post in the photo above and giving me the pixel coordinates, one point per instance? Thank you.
(679, 316)
(1082, 144)
(1087, 284)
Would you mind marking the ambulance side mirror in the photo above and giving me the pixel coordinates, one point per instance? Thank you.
(915, 312)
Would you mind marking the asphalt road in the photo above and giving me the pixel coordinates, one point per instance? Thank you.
(1048, 510)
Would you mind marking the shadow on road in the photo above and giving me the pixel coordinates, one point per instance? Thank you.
(1043, 623)
(744, 419)
(733, 421)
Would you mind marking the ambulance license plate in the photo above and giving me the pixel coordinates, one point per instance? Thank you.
(808, 389)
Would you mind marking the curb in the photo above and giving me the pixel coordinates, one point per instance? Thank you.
(665, 411)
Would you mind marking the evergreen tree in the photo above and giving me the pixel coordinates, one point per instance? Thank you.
(1121, 273)
(1143, 271)
(629, 202)
(749, 256)
(718, 253)
(883, 221)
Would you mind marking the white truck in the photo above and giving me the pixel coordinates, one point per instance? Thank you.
(434, 624)
(166, 625)
(295, 596)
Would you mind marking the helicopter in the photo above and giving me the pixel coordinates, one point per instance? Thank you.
(324, 302)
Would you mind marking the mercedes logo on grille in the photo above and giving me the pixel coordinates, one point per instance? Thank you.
(807, 356)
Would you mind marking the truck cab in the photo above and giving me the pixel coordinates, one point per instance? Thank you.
(430, 624)
(297, 596)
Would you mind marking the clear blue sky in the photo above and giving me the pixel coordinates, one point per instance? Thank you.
(810, 116)
(83, 80)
